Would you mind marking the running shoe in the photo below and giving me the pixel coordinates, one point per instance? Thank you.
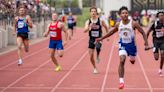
(95, 71)
(58, 68)
(121, 85)
(160, 73)
(20, 62)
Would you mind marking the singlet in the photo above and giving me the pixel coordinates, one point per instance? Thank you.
(22, 26)
(158, 30)
(95, 31)
(126, 33)
(55, 32)
(70, 19)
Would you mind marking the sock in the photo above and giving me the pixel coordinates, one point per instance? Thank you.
(121, 80)
(160, 70)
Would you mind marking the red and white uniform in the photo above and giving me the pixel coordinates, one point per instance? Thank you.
(55, 32)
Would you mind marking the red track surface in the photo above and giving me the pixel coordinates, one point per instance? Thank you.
(37, 73)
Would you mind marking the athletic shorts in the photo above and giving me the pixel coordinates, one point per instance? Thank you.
(74, 24)
(127, 49)
(92, 44)
(158, 44)
(56, 44)
(70, 26)
(24, 36)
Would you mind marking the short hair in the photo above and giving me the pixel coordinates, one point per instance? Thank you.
(22, 6)
(93, 8)
(159, 13)
(122, 8)
(55, 12)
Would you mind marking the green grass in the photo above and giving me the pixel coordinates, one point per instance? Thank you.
(81, 19)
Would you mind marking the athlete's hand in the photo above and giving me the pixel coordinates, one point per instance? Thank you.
(98, 40)
(147, 47)
(45, 34)
(90, 26)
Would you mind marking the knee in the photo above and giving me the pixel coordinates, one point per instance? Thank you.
(19, 47)
(52, 55)
(60, 55)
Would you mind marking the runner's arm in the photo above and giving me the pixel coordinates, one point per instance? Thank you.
(61, 25)
(149, 30)
(29, 21)
(105, 26)
(86, 28)
(136, 25)
(15, 25)
(45, 34)
(111, 32)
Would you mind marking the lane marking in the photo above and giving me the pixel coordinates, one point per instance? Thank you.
(35, 69)
(69, 72)
(107, 69)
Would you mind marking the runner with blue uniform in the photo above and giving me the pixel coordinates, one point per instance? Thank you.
(127, 46)
(21, 24)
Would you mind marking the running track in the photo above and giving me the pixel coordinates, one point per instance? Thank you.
(37, 73)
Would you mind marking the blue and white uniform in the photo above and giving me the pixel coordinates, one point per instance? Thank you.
(22, 28)
(127, 39)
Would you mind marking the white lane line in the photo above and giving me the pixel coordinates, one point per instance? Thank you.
(80, 88)
(107, 69)
(13, 83)
(32, 55)
(68, 73)
(143, 70)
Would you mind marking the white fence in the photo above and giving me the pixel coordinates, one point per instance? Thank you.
(7, 37)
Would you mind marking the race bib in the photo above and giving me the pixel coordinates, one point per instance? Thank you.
(53, 34)
(126, 40)
(95, 33)
(20, 24)
(159, 34)
(70, 21)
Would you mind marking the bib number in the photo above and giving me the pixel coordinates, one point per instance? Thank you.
(159, 34)
(20, 24)
(126, 40)
(95, 33)
(53, 34)
(70, 21)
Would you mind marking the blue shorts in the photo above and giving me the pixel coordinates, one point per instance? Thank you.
(127, 49)
(56, 44)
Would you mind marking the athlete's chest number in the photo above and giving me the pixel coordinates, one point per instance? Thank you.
(53, 34)
(126, 38)
(159, 34)
(95, 33)
(20, 24)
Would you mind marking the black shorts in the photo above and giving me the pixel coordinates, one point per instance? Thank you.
(24, 36)
(92, 44)
(70, 26)
(158, 44)
(74, 24)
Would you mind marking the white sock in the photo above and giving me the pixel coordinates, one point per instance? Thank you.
(159, 70)
(121, 80)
